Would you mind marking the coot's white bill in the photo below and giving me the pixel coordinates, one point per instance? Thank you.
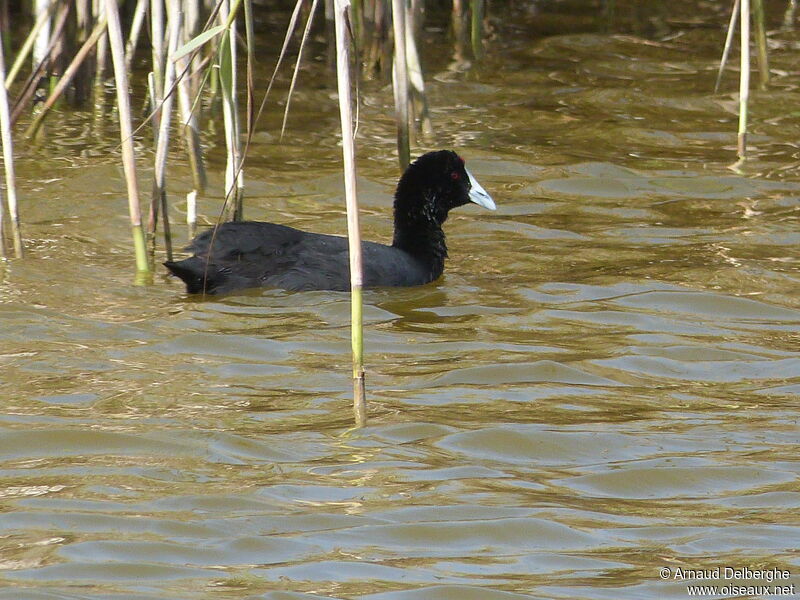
(479, 195)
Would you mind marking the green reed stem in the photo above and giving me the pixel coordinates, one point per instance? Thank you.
(477, 9)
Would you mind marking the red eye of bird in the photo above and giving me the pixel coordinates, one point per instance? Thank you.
(455, 175)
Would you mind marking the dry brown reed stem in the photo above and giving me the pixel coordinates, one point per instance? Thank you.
(42, 41)
(287, 38)
(8, 161)
(744, 78)
(728, 43)
(157, 47)
(375, 53)
(126, 135)
(83, 18)
(234, 175)
(415, 77)
(187, 89)
(459, 33)
(353, 229)
(761, 44)
(27, 45)
(66, 78)
(790, 15)
(250, 82)
(3, 253)
(156, 75)
(293, 83)
(400, 80)
(159, 197)
(137, 21)
(190, 127)
(191, 25)
(29, 87)
(101, 54)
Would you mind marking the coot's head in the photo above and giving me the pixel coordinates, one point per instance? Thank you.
(434, 184)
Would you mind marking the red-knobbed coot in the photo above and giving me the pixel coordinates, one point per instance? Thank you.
(249, 254)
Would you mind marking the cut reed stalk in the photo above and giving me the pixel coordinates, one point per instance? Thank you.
(8, 161)
(351, 199)
(191, 213)
(126, 135)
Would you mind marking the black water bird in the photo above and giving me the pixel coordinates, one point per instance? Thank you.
(249, 254)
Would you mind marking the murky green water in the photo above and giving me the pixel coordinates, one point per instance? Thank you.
(604, 384)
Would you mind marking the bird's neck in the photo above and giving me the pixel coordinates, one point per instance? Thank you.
(422, 237)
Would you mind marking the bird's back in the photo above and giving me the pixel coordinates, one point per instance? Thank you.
(254, 254)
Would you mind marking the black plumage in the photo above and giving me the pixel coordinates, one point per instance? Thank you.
(250, 254)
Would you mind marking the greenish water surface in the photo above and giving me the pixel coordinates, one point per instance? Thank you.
(603, 385)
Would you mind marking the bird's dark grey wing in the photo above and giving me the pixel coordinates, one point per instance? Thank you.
(233, 240)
